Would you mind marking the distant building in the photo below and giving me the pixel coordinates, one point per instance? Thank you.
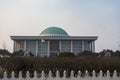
(107, 54)
(52, 41)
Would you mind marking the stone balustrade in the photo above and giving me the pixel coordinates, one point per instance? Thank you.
(57, 76)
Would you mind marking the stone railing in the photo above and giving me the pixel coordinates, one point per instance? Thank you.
(57, 76)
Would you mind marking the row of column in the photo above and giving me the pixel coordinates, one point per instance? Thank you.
(16, 46)
(91, 45)
(36, 48)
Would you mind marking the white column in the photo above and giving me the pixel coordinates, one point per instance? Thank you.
(90, 45)
(48, 49)
(36, 47)
(25, 46)
(59, 45)
(71, 46)
(18, 46)
(93, 46)
(14, 48)
(83, 45)
(40, 49)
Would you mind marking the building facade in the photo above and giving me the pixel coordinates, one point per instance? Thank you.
(53, 41)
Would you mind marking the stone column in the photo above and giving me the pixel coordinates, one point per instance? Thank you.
(71, 46)
(48, 48)
(59, 45)
(83, 45)
(36, 47)
(90, 46)
(25, 46)
(14, 46)
(93, 46)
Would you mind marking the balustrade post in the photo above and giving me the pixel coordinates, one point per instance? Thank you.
(115, 77)
(28, 75)
(108, 75)
(50, 76)
(94, 75)
(64, 75)
(115, 73)
(72, 75)
(86, 74)
(57, 75)
(42, 75)
(100, 75)
(13, 76)
(20, 76)
(5, 76)
(79, 75)
(35, 75)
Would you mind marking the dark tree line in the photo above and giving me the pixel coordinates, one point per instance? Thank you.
(84, 53)
(4, 52)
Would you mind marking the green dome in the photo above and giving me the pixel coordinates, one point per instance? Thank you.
(53, 31)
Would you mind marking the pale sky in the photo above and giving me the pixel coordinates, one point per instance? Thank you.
(77, 17)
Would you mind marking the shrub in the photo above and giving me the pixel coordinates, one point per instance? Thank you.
(18, 53)
(87, 53)
(5, 52)
(1, 72)
(66, 54)
(60, 63)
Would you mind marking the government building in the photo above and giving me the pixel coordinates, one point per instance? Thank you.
(52, 41)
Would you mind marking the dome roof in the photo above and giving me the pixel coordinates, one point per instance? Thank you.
(54, 31)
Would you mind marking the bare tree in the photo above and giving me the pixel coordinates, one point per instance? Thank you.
(119, 46)
(4, 45)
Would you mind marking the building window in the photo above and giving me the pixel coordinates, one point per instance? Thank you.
(87, 45)
(42, 48)
(66, 46)
(77, 46)
(31, 46)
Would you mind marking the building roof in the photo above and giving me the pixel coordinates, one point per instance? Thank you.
(54, 37)
(54, 31)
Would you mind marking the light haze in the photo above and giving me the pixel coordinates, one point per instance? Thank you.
(77, 17)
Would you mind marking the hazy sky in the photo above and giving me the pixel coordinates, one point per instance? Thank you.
(77, 17)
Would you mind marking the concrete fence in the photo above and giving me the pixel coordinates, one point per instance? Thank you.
(73, 76)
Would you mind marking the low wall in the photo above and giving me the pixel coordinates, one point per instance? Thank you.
(72, 76)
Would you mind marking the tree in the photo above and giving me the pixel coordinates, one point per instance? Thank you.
(5, 52)
(18, 53)
(116, 53)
